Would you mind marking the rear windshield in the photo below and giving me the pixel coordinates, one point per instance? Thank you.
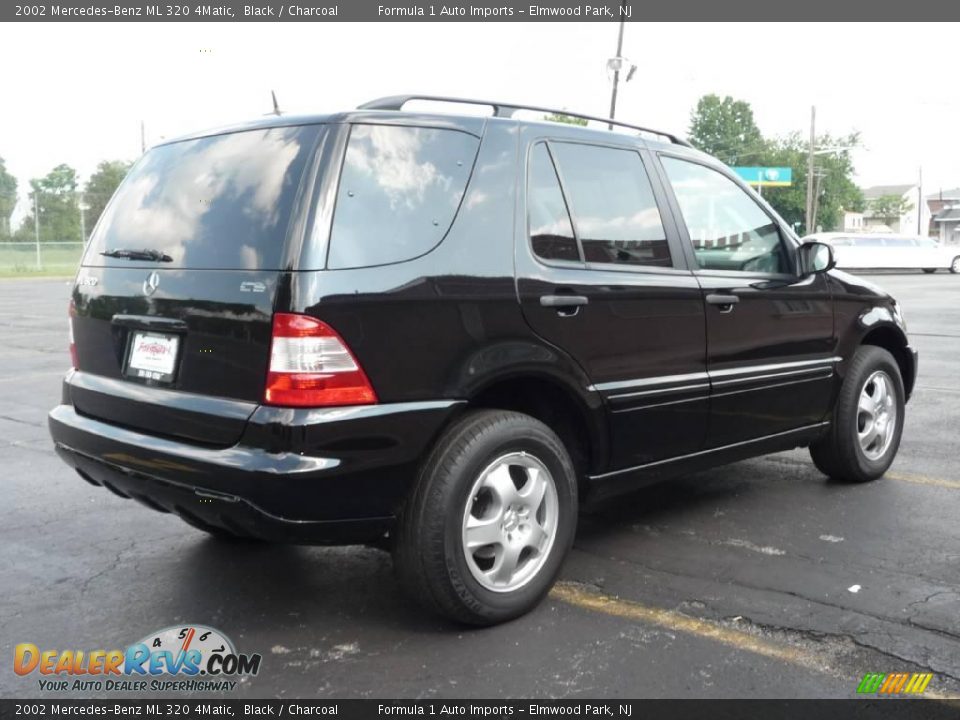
(216, 202)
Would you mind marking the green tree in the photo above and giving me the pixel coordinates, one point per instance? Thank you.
(566, 119)
(100, 188)
(889, 208)
(55, 197)
(837, 190)
(8, 199)
(725, 128)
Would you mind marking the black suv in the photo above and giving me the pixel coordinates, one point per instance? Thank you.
(443, 333)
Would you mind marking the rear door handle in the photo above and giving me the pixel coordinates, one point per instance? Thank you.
(562, 301)
(724, 302)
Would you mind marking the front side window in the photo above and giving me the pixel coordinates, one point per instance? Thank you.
(614, 211)
(728, 229)
(399, 191)
(551, 233)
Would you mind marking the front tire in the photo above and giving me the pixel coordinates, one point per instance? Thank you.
(955, 265)
(929, 271)
(867, 423)
(491, 518)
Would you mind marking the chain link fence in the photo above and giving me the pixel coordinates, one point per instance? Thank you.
(44, 258)
(44, 233)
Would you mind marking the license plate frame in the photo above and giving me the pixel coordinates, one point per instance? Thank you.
(152, 357)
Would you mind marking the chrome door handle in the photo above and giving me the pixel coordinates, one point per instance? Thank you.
(562, 301)
(723, 302)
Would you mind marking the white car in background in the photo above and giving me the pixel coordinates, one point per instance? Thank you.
(875, 251)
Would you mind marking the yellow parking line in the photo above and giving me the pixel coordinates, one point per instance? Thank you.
(581, 597)
(924, 480)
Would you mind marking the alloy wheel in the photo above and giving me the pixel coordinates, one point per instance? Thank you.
(876, 415)
(510, 522)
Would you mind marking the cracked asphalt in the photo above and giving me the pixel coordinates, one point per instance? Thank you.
(759, 579)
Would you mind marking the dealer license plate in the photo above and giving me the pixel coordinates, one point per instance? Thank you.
(153, 356)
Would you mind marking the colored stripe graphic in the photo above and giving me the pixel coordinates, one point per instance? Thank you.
(894, 683)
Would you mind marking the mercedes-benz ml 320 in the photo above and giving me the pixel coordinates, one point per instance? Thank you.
(441, 334)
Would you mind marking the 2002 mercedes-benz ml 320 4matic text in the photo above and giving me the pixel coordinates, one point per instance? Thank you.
(443, 333)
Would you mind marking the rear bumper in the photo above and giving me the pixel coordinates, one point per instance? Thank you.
(326, 476)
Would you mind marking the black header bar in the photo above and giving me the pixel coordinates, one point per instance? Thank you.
(400, 11)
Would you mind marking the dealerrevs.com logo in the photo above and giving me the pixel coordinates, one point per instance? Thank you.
(184, 658)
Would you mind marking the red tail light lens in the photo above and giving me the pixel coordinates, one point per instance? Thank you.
(72, 313)
(311, 366)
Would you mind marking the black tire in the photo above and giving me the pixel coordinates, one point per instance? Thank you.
(929, 271)
(839, 454)
(429, 556)
(955, 265)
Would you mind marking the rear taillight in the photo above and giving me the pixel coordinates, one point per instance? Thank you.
(72, 313)
(311, 366)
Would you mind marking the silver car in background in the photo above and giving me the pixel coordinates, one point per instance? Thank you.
(875, 251)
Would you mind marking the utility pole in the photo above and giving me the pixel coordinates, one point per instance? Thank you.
(36, 224)
(83, 219)
(813, 139)
(920, 203)
(616, 72)
(143, 138)
(816, 202)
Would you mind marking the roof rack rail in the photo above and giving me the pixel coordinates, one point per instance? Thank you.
(500, 109)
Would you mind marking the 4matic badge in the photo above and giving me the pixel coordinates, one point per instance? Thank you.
(202, 654)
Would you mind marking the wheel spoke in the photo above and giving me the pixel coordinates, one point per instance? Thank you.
(538, 536)
(867, 404)
(483, 532)
(532, 493)
(879, 390)
(506, 563)
(500, 482)
(868, 435)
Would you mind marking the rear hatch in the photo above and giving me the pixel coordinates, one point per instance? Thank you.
(171, 311)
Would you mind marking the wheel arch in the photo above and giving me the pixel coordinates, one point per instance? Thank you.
(892, 339)
(580, 423)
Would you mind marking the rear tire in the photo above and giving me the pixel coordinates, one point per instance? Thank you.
(955, 265)
(867, 422)
(929, 271)
(494, 476)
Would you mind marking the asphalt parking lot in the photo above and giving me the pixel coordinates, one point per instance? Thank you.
(759, 579)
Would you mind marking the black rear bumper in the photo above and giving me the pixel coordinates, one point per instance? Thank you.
(326, 476)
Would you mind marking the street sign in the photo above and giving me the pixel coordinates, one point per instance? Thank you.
(766, 176)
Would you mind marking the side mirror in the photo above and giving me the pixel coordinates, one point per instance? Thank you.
(815, 257)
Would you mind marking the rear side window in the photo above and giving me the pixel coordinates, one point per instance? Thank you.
(614, 211)
(400, 188)
(216, 202)
(551, 233)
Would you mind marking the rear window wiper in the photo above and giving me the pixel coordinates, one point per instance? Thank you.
(154, 255)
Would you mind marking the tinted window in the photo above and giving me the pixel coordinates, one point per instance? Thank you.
(870, 242)
(400, 188)
(840, 242)
(550, 230)
(216, 202)
(614, 212)
(728, 229)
